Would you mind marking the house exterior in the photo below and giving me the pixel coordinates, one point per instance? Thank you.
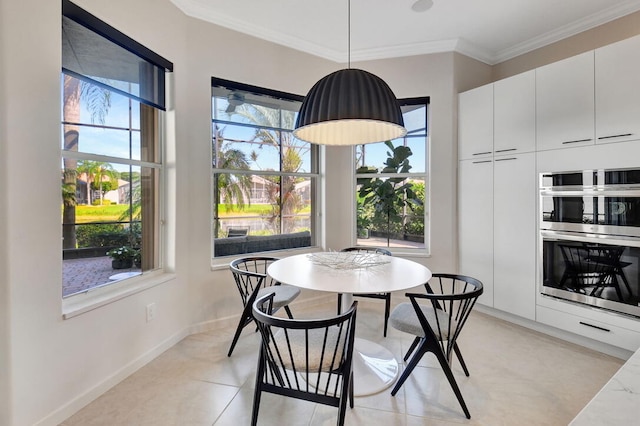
(55, 357)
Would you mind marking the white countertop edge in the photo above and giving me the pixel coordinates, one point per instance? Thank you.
(618, 402)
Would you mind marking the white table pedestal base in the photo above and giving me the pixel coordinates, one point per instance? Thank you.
(374, 368)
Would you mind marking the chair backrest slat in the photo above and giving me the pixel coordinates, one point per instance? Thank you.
(452, 298)
(250, 273)
(309, 356)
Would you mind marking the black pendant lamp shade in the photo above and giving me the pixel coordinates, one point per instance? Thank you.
(349, 107)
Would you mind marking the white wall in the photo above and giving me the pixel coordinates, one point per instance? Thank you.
(5, 365)
(58, 365)
(433, 76)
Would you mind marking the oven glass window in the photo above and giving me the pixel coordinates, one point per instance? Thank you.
(587, 209)
(602, 271)
(620, 177)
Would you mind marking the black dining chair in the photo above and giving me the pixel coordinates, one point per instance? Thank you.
(305, 359)
(437, 324)
(383, 296)
(250, 276)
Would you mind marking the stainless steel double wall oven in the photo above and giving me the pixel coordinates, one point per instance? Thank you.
(590, 232)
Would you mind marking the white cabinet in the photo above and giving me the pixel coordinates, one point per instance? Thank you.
(514, 114)
(514, 234)
(565, 103)
(498, 118)
(475, 123)
(497, 228)
(596, 324)
(475, 223)
(617, 96)
(487, 192)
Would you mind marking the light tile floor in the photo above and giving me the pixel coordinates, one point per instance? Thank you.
(518, 377)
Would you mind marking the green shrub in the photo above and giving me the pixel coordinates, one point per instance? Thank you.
(101, 235)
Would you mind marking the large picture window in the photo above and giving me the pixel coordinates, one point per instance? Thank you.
(264, 180)
(391, 185)
(113, 98)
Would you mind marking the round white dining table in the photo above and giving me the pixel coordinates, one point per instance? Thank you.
(374, 367)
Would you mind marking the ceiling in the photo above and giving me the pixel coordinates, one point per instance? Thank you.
(490, 30)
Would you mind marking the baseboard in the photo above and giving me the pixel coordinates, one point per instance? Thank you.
(61, 414)
(556, 332)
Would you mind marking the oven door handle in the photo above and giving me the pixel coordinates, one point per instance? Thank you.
(628, 191)
(585, 237)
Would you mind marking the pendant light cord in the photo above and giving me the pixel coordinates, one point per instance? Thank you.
(349, 36)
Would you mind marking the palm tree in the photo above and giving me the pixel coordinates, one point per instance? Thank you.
(99, 102)
(285, 201)
(232, 188)
(96, 171)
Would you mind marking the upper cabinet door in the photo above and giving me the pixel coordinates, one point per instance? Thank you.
(514, 109)
(475, 123)
(565, 103)
(618, 91)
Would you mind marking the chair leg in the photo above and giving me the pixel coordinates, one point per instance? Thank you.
(456, 349)
(244, 321)
(411, 348)
(387, 308)
(409, 368)
(257, 393)
(346, 394)
(236, 336)
(351, 390)
(288, 311)
(452, 381)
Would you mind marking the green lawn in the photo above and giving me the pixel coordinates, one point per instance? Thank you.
(108, 213)
(113, 212)
(252, 210)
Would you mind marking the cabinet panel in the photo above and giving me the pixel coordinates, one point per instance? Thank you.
(475, 215)
(617, 77)
(475, 123)
(514, 223)
(565, 103)
(588, 327)
(514, 108)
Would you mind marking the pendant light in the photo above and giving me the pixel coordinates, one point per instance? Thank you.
(349, 107)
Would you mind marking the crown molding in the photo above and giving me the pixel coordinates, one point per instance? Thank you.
(572, 29)
(198, 10)
(404, 50)
(471, 50)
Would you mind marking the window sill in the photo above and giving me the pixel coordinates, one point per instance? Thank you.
(96, 298)
(219, 263)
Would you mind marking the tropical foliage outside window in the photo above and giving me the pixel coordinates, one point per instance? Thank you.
(106, 183)
(113, 101)
(391, 182)
(263, 178)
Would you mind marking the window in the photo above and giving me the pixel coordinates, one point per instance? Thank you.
(391, 185)
(264, 180)
(113, 98)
